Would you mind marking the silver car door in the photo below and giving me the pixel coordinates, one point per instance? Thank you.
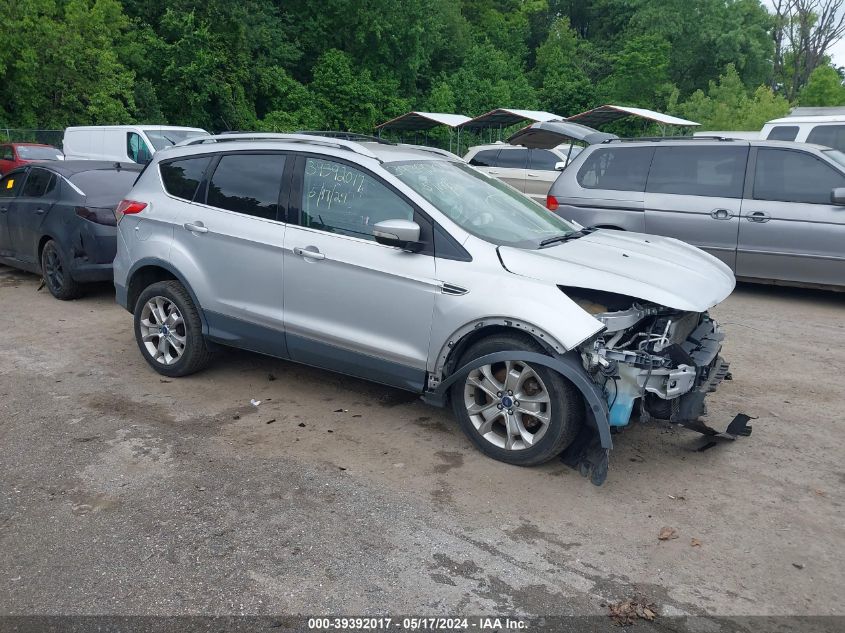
(541, 173)
(694, 193)
(790, 231)
(230, 248)
(511, 168)
(353, 305)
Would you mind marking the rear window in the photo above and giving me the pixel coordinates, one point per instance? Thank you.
(28, 152)
(717, 172)
(182, 177)
(105, 185)
(783, 133)
(617, 169)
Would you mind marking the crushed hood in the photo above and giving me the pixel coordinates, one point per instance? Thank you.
(658, 269)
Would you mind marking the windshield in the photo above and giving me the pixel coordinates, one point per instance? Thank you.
(165, 138)
(482, 206)
(33, 152)
(836, 155)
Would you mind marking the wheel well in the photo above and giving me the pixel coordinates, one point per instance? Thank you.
(41, 243)
(142, 278)
(486, 332)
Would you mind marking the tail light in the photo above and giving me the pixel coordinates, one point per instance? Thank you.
(551, 203)
(128, 207)
(106, 217)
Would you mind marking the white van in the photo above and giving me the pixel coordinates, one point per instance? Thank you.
(120, 143)
(822, 126)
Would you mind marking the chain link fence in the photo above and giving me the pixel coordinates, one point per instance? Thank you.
(17, 135)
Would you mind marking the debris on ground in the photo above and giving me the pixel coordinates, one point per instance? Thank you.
(302, 424)
(628, 611)
(271, 421)
(694, 542)
(667, 533)
(271, 377)
(677, 497)
(341, 410)
(798, 565)
(164, 380)
(236, 417)
(255, 402)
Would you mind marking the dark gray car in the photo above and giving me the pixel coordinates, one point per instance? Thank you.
(772, 211)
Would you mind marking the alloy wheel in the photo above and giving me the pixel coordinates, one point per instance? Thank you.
(163, 330)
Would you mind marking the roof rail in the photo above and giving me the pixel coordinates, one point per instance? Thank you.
(288, 138)
(346, 136)
(433, 150)
(661, 139)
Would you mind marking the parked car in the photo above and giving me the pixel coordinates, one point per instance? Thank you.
(409, 268)
(820, 126)
(14, 155)
(772, 211)
(58, 219)
(121, 143)
(531, 171)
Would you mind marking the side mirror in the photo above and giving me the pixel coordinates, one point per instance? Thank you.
(403, 234)
(837, 196)
(560, 166)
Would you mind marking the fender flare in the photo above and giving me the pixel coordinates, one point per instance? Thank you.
(567, 365)
(160, 263)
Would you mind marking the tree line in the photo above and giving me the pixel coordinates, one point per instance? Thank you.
(349, 65)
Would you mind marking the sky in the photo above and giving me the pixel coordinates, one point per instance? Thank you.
(837, 52)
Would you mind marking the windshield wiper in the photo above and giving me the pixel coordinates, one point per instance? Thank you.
(567, 236)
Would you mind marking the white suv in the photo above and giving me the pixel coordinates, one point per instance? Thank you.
(410, 268)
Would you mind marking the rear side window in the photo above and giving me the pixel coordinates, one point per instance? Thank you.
(485, 158)
(182, 177)
(39, 183)
(513, 158)
(248, 184)
(618, 169)
(830, 135)
(783, 133)
(791, 176)
(544, 160)
(698, 171)
(6, 153)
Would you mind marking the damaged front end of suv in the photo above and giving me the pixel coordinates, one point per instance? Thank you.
(660, 360)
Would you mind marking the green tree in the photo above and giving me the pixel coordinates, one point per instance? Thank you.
(640, 74)
(824, 88)
(565, 88)
(728, 105)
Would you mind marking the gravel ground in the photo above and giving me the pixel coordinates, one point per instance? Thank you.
(124, 493)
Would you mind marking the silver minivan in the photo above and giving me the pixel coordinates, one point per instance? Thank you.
(773, 211)
(409, 267)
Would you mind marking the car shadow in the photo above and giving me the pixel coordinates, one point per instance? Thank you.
(776, 292)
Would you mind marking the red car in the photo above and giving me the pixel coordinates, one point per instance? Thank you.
(17, 154)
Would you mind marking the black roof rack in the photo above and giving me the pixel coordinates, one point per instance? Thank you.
(346, 136)
(662, 139)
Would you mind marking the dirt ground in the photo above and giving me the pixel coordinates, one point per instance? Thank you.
(122, 492)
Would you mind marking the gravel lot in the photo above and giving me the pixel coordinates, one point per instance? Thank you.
(123, 493)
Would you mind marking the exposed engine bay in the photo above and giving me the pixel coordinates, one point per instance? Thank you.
(661, 360)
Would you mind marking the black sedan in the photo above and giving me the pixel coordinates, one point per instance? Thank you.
(58, 220)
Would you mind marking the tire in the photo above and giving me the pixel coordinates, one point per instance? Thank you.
(183, 350)
(56, 274)
(539, 429)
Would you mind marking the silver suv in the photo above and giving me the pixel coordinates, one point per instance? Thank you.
(773, 211)
(411, 268)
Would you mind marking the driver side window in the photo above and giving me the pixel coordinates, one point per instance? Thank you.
(341, 199)
(136, 148)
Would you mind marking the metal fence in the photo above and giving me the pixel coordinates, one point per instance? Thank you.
(16, 135)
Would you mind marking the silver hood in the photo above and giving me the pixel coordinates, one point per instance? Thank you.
(658, 269)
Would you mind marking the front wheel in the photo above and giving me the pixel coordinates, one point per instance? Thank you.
(168, 330)
(513, 411)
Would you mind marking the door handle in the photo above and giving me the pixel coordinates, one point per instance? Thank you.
(4, 209)
(310, 252)
(493, 171)
(759, 216)
(196, 227)
(533, 175)
(40, 212)
(721, 214)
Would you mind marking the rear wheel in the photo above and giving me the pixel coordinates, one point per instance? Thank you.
(513, 411)
(56, 274)
(168, 330)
